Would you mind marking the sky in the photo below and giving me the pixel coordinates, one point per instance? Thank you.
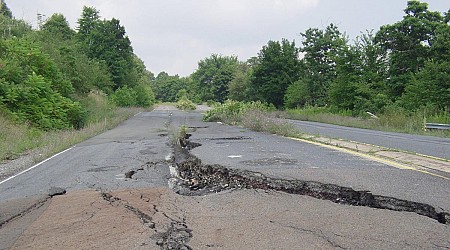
(174, 35)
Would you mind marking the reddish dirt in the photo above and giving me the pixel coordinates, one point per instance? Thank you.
(240, 219)
(85, 220)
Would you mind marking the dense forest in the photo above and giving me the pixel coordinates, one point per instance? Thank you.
(47, 72)
(402, 66)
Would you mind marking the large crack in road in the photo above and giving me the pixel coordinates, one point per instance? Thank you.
(195, 178)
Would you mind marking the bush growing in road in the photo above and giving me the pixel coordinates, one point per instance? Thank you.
(185, 104)
(253, 115)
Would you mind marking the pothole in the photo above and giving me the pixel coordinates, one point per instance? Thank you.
(149, 166)
(176, 237)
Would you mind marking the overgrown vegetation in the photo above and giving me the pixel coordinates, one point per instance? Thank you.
(403, 66)
(185, 104)
(253, 115)
(18, 138)
(58, 85)
(394, 118)
(401, 73)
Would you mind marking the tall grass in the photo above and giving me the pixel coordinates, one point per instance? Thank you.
(253, 115)
(394, 118)
(17, 139)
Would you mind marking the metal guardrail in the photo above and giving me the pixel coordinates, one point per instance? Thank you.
(437, 126)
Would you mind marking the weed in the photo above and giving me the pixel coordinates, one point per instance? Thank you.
(185, 104)
(254, 115)
(394, 118)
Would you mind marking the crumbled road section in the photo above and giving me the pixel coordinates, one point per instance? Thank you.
(176, 237)
(200, 179)
(175, 233)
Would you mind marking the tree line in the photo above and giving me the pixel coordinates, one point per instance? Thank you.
(45, 73)
(405, 64)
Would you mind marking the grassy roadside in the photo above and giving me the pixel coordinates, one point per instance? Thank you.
(259, 117)
(395, 120)
(19, 139)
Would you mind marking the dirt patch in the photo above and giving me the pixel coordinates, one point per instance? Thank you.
(126, 219)
(83, 220)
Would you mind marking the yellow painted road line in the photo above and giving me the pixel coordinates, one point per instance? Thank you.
(370, 157)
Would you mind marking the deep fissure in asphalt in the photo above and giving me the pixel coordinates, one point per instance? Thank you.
(196, 178)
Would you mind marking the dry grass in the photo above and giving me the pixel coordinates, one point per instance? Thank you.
(264, 121)
(392, 120)
(17, 139)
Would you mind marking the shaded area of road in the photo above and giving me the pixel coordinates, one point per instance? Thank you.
(427, 145)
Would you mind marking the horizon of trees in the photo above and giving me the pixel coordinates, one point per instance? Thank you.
(45, 72)
(405, 64)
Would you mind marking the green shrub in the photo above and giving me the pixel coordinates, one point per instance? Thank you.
(228, 112)
(144, 96)
(256, 116)
(124, 97)
(185, 104)
(36, 102)
(297, 95)
(231, 111)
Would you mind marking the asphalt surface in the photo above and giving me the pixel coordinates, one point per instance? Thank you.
(427, 145)
(102, 162)
(131, 164)
(284, 158)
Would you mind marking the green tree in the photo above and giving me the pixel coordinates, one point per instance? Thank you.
(239, 86)
(166, 87)
(213, 76)
(277, 68)
(124, 97)
(57, 25)
(297, 95)
(441, 46)
(9, 26)
(107, 41)
(4, 10)
(27, 57)
(360, 77)
(430, 86)
(144, 96)
(321, 48)
(87, 23)
(409, 43)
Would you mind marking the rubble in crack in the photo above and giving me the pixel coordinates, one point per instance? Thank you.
(195, 178)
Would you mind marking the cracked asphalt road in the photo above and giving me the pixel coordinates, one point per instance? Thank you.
(118, 196)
